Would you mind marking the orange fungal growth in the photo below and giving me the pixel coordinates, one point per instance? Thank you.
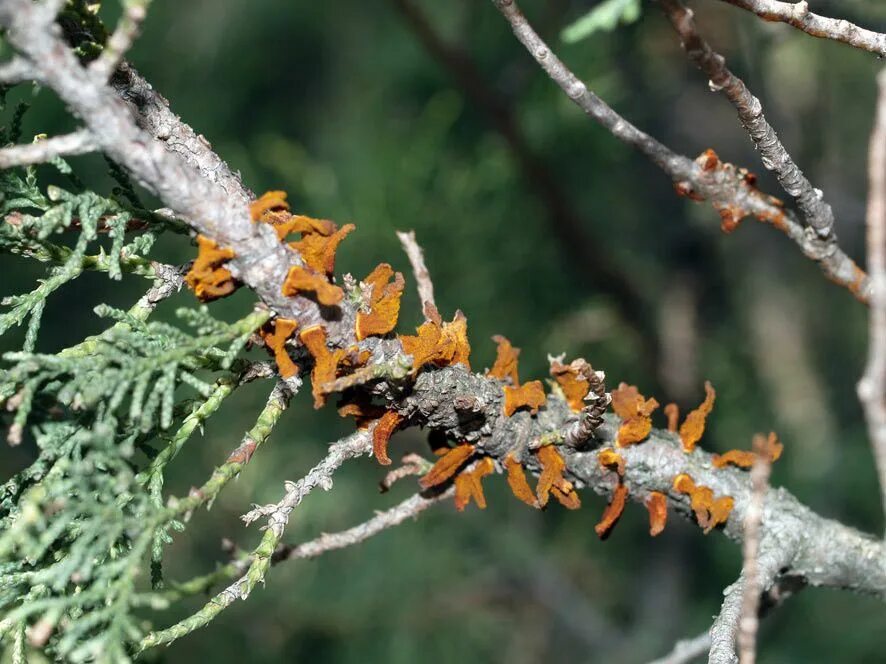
(572, 379)
(657, 505)
(672, 411)
(517, 481)
(447, 465)
(270, 201)
(635, 411)
(384, 429)
(439, 344)
(769, 447)
(362, 410)
(468, 486)
(506, 357)
(318, 251)
(208, 277)
(300, 280)
(384, 303)
(551, 480)
(325, 361)
(612, 512)
(710, 512)
(529, 395)
(692, 428)
(275, 334)
(612, 460)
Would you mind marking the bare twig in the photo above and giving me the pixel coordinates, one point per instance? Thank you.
(17, 70)
(417, 260)
(798, 15)
(409, 508)
(77, 142)
(872, 386)
(816, 212)
(774, 553)
(410, 465)
(750, 602)
(260, 559)
(686, 650)
(700, 179)
(120, 41)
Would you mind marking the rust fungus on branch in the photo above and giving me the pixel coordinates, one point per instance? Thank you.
(529, 395)
(383, 305)
(769, 445)
(746, 200)
(657, 506)
(275, 334)
(440, 344)
(359, 406)
(612, 512)
(710, 512)
(208, 277)
(611, 460)
(303, 280)
(318, 250)
(635, 411)
(468, 485)
(506, 361)
(384, 429)
(518, 483)
(551, 480)
(326, 362)
(693, 426)
(447, 465)
(575, 381)
(269, 206)
(672, 412)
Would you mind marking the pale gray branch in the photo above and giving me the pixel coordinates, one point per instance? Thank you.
(17, 70)
(417, 260)
(872, 386)
(753, 527)
(798, 15)
(687, 649)
(39, 152)
(121, 40)
(409, 508)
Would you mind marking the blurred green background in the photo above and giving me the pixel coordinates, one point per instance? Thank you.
(412, 114)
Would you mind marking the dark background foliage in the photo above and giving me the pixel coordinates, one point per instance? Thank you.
(341, 105)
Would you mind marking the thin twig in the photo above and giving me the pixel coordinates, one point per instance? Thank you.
(260, 559)
(753, 521)
(872, 386)
(121, 40)
(39, 152)
(409, 508)
(17, 70)
(817, 213)
(417, 260)
(798, 15)
(686, 650)
(701, 179)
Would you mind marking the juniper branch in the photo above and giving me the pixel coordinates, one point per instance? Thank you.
(260, 558)
(41, 151)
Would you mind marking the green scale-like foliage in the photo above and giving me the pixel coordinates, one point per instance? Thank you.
(83, 526)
